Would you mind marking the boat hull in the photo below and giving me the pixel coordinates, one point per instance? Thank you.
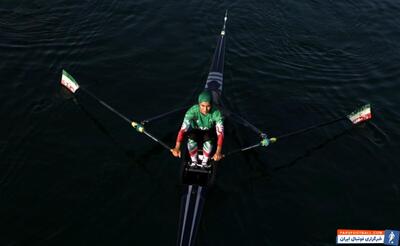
(197, 180)
(192, 204)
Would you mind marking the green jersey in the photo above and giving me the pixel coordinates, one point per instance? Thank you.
(196, 120)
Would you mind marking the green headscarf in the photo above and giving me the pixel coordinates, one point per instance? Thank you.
(205, 96)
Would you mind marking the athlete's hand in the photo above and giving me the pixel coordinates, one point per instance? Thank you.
(176, 152)
(217, 156)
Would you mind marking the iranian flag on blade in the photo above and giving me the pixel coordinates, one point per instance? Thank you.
(361, 114)
(69, 82)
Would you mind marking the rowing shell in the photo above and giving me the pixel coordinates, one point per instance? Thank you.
(197, 180)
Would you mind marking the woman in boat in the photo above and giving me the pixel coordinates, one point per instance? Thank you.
(198, 123)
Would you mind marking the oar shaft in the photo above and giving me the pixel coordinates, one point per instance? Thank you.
(125, 118)
(160, 116)
(248, 124)
(300, 131)
(157, 140)
(107, 106)
(239, 119)
(242, 149)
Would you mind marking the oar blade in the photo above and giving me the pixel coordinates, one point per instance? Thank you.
(69, 82)
(360, 115)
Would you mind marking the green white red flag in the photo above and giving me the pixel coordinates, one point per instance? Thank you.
(69, 82)
(361, 114)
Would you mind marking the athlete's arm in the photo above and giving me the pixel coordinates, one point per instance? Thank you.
(219, 127)
(176, 151)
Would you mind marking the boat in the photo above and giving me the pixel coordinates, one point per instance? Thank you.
(197, 180)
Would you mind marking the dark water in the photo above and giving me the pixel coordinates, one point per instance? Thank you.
(72, 173)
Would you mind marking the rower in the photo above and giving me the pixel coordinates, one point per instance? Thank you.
(198, 123)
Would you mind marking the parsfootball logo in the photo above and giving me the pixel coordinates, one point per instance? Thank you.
(386, 237)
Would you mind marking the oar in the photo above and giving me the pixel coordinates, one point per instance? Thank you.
(239, 119)
(360, 115)
(160, 116)
(70, 83)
